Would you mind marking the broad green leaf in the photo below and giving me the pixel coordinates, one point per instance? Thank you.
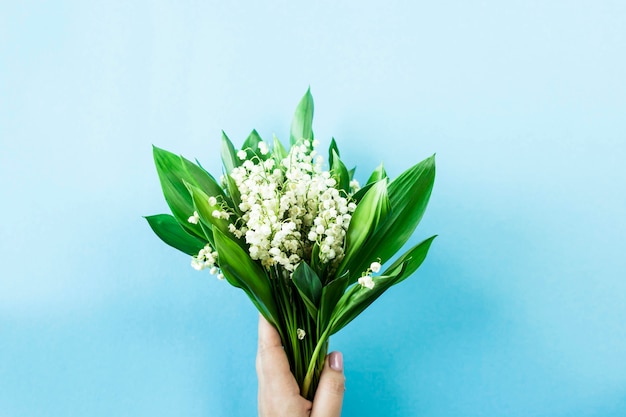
(171, 174)
(229, 154)
(340, 173)
(201, 178)
(170, 231)
(358, 298)
(244, 273)
(370, 212)
(251, 144)
(408, 197)
(302, 123)
(378, 174)
(331, 293)
(309, 286)
(174, 171)
(203, 168)
(351, 173)
(412, 258)
(205, 210)
(358, 196)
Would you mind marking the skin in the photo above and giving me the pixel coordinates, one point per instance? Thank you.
(279, 394)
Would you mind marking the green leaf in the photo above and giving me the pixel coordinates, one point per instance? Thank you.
(340, 173)
(251, 144)
(229, 154)
(412, 258)
(369, 213)
(331, 293)
(408, 197)
(302, 124)
(309, 286)
(244, 273)
(358, 298)
(351, 172)
(279, 152)
(174, 171)
(200, 178)
(378, 174)
(176, 195)
(170, 231)
(205, 210)
(317, 266)
(358, 196)
(233, 193)
(332, 149)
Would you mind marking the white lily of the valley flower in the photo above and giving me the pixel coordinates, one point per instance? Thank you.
(367, 282)
(241, 155)
(194, 219)
(288, 202)
(375, 267)
(206, 258)
(301, 333)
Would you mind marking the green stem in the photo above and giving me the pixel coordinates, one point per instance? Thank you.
(306, 356)
(314, 364)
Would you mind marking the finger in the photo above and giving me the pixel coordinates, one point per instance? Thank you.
(271, 362)
(329, 396)
(268, 336)
(279, 394)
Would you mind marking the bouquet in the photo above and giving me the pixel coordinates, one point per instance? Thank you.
(305, 242)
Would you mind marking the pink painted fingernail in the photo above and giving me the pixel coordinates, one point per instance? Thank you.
(336, 361)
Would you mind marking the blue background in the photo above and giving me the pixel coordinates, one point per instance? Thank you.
(520, 308)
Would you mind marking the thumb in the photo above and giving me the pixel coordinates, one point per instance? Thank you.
(329, 396)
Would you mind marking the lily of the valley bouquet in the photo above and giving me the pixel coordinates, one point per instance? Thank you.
(308, 245)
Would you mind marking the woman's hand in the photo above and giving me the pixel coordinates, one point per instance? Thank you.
(279, 394)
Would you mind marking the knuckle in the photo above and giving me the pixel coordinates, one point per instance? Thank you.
(335, 385)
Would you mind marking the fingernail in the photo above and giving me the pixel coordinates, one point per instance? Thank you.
(336, 361)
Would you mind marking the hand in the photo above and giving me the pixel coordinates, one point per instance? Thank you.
(279, 394)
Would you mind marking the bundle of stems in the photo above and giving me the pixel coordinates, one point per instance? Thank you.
(306, 356)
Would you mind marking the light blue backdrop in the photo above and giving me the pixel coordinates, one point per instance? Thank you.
(520, 309)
